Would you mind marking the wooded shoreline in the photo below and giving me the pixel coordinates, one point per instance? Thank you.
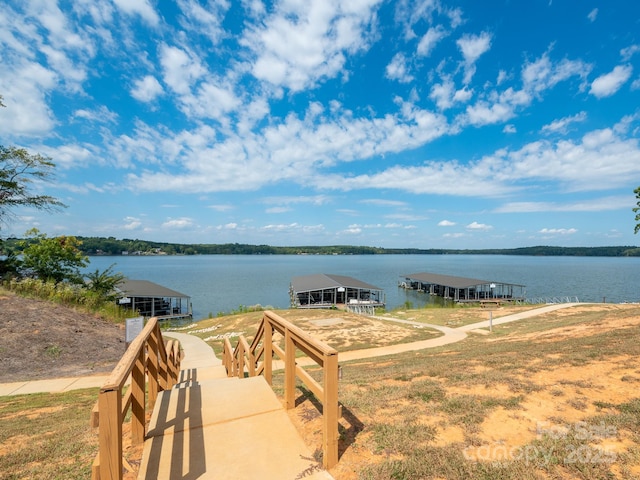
(112, 246)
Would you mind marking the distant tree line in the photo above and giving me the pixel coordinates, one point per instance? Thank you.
(111, 246)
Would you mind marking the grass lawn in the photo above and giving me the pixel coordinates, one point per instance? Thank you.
(47, 436)
(551, 397)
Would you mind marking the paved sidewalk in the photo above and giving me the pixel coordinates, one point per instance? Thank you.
(52, 385)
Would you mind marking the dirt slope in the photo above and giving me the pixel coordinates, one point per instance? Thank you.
(41, 339)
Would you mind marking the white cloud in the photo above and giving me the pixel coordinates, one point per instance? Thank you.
(446, 223)
(609, 83)
(146, 89)
(100, 115)
(446, 96)
(204, 19)
(600, 160)
(509, 128)
(131, 223)
(558, 231)
(25, 86)
(561, 125)
(478, 226)
(139, 7)
(181, 69)
(591, 205)
(593, 14)
(398, 70)
(291, 150)
(472, 48)
(178, 223)
(628, 52)
(543, 74)
(430, 39)
(302, 43)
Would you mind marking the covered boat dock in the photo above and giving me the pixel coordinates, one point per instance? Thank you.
(461, 289)
(152, 300)
(326, 291)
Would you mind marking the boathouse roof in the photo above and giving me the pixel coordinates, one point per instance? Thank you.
(451, 281)
(324, 281)
(145, 288)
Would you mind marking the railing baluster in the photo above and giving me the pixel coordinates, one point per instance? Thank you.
(111, 410)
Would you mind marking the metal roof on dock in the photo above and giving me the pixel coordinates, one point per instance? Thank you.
(145, 288)
(452, 281)
(323, 280)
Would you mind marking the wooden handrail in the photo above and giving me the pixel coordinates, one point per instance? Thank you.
(146, 361)
(257, 359)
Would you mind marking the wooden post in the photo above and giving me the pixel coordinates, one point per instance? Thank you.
(268, 350)
(152, 366)
(162, 362)
(110, 435)
(289, 370)
(138, 400)
(240, 360)
(330, 412)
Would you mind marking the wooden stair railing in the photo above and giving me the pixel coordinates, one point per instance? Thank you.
(257, 359)
(147, 362)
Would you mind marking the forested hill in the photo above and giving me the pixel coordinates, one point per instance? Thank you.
(113, 246)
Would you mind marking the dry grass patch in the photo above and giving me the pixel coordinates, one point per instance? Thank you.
(342, 330)
(519, 404)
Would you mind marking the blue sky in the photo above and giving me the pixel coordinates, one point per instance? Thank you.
(426, 123)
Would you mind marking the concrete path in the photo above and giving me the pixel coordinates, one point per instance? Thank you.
(199, 354)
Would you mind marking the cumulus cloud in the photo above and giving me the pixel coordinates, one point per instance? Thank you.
(446, 95)
(472, 48)
(146, 89)
(430, 39)
(446, 223)
(302, 43)
(478, 226)
(181, 69)
(609, 83)
(398, 69)
(141, 8)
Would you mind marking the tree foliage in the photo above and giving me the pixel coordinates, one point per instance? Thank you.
(637, 210)
(20, 171)
(53, 259)
(104, 283)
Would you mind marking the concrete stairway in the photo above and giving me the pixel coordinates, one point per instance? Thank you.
(210, 426)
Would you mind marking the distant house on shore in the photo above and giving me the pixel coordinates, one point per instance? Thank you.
(326, 291)
(152, 300)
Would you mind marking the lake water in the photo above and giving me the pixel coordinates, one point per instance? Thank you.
(221, 283)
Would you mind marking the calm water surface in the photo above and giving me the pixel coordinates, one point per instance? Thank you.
(221, 283)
